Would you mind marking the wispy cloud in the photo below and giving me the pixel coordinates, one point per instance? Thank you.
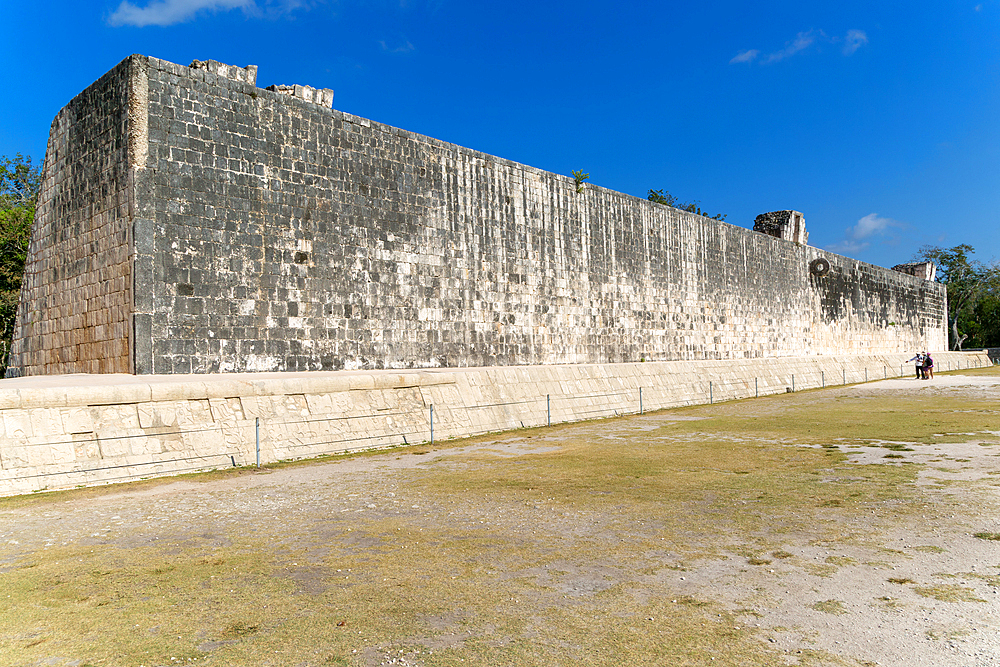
(801, 42)
(169, 12)
(870, 228)
(852, 41)
(405, 47)
(745, 56)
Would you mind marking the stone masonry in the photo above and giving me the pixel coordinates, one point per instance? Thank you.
(788, 225)
(192, 222)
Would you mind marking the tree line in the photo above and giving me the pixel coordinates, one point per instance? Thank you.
(20, 182)
(973, 295)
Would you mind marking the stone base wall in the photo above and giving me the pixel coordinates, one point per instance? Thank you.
(63, 432)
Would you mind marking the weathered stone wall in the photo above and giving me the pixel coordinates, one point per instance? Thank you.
(273, 234)
(289, 236)
(76, 299)
(79, 431)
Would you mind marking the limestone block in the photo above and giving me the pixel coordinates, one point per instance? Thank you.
(158, 415)
(320, 404)
(14, 454)
(46, 421)
(226, 410)
(240, 441)
(77, 420)
(203, 442)
(149, 445)
(194, 413)
(113, 447)
(40, 456)
(86, 449)
(114, 420)
(17, 424)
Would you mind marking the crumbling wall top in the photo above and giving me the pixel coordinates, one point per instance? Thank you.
(321, 96)
(246, 74)
(787, 225)
(924, 270)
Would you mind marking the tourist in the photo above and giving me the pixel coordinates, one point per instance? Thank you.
(919, 365)
(928, 367)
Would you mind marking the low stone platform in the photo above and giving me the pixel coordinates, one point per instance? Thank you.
(80, 430)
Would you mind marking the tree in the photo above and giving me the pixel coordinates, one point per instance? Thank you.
(663, 197)
(20, 183)
(973, 290)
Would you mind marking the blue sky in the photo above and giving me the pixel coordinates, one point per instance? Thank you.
(879, 121)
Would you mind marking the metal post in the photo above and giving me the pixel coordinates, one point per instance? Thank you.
(756, 391)
(257, 438)
(793, 383)
(710, 399)
(822, 378)
(640, 400)
(844, 371)
(885, 372)
(432, 423)
(866, 374)
(548, 408)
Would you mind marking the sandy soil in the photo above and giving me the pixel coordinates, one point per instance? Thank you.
(943, 610)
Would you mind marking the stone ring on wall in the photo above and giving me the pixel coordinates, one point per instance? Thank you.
(819, 267)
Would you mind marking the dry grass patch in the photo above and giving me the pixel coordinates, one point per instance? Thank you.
(830, 607)
(948, 593)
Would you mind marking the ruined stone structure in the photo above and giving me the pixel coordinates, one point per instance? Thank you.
(192, 222)
(788, 225)
(922, 270)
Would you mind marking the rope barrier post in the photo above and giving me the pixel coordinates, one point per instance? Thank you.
(844, 371)
(793, 383)
(756, 391)
(710, 398)
(822, 378)
(885, 372)
(640, 400)
(866, 374)
(432, 423)
(548, 409)
(257, 438)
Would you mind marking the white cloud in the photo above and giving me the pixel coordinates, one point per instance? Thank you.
(854, 40)
(859, 236)
(168, 12)
(745, 56)
(801, 42)
(871, 225)
(405, 47)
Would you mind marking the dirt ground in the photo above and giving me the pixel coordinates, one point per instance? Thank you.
(784, 545)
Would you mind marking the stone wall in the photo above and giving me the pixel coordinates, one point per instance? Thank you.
(275, 234)
(76, 300)
(80, 431)
(787, 225)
